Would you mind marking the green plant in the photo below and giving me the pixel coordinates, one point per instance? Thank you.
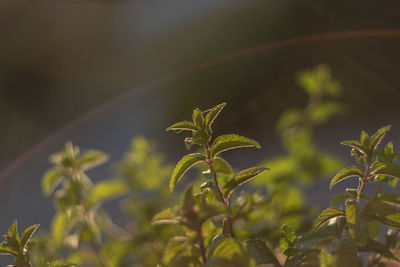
(357, 226)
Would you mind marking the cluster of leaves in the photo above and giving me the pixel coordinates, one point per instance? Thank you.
(216, 224)
(358, 223)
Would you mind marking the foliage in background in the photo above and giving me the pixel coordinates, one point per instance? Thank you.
(219, 222)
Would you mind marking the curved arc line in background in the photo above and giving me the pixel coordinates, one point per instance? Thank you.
(371, 33)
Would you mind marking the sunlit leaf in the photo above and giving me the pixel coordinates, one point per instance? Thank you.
(183, 126)
(231, 141)
(213, 113)
(346, 173)
(356, 145)
(352, 218)
(378, 136)
(386, 168)
(326, 215)
(27, 234)
(183, 166)
(240, 178)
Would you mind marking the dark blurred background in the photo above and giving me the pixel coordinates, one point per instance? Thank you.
(100, 72)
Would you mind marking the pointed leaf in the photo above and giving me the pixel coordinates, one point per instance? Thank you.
(183, 166)
(7, 251)
(51, 179)
(62, 264)
(26, 235)
(346, 173)
(356, 145)
(213, 113)
(261, 253)
(198, 118)
(386, 168)
(389, 198)
(376, 247)
(378, 136)
(352, 218)
(107, 189)
(231, 141)
(222, 166)
(382, 212)
(167, 216)
(326, 215)
(183, 126)
(91, 158)
(240, 178)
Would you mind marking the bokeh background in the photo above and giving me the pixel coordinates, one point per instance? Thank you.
(100, 72)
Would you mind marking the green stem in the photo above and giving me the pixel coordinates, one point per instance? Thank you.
(201, 245)
(364, 181)
(214, 179)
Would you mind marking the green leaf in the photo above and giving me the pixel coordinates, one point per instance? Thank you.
(307, 255)
(183, 166)
(91, 158)
(326, 259)
(382, 212)
(231, 141)
(13, 241)
(62, 264)
(176, 246)
(222, 166)
(376, 247)
(261, 253)
(240, 178)
(7, 251)
(198, 118)
(51, 179)
(107, 189)
(356, 145)
(229, 253)
(352, 218)
(58, 228)
(26, 235)
(326, 215)
(167, 216)
(386, 168)
(346, 173)
(378, 136)
(389, 198)
(347, 252)
(183, 126)
(213, 113)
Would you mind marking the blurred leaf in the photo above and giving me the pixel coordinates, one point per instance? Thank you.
(183, 126)
(231, 141)
(61, 264)
(176, 246)
(7, 251)
(240, 178)
(183, 166)
(346, 253)
(261, 253)
(323, 112)
(58, 228)
(229, 253)
(326, 215)
(91, 158)
(376, 247)
(51, 179)
(167, 216)
(346, 173)
(389, 198)
(326, 259)
(107, 189)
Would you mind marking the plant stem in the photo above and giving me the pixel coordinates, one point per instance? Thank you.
(214, 178)
(201, 245)
(364, 181)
